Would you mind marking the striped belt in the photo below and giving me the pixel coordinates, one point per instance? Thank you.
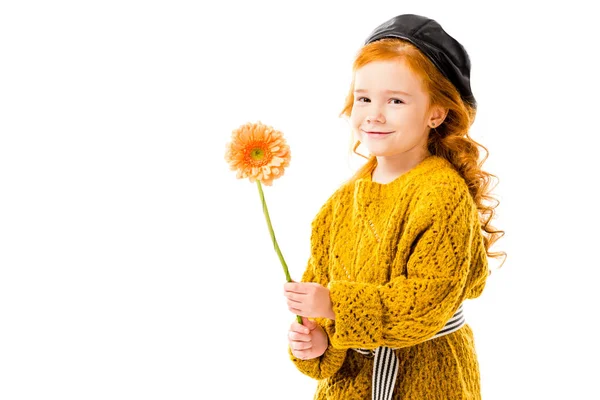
(385, 365)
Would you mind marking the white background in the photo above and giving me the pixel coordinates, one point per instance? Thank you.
(133, 265)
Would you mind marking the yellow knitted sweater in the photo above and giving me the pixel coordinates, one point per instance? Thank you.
(398, 259)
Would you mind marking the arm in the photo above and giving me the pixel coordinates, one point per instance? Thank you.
(413, 308)
(331, 361)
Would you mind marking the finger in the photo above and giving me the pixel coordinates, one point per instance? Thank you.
(296, 327)
(294, 296)
(295, 310)
(286, 287)
(298, 337)
(300, 345)
(309, 323)
(301, 354)
(294, 287)
(295, 304)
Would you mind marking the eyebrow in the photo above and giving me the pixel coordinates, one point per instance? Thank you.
(385, 91)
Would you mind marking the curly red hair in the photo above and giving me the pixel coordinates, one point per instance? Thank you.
(450, 140)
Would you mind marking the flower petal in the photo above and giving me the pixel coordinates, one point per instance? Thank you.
(271, 155)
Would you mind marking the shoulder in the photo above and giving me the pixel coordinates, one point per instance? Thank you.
(441, 179)
(335, 200)
(442, 187)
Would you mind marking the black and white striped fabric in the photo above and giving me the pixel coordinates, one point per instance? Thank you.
(385, 365)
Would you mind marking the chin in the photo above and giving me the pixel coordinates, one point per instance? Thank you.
(377, 152)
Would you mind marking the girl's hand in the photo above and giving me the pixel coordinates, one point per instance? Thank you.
(306, 346)
(308, 299)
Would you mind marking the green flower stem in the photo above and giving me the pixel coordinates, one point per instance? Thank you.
(266, 212)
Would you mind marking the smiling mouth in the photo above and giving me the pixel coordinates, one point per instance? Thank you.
(377, 133)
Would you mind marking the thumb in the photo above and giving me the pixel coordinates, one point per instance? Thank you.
(308, 323)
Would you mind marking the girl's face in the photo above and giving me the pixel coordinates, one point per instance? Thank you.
(390, 115)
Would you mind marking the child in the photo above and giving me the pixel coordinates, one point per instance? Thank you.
(396, 250)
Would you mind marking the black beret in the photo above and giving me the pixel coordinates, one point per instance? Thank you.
(447, 54)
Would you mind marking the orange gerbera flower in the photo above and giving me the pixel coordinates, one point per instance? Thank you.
(258, 152)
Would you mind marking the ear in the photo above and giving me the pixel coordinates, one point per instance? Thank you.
(437, 116)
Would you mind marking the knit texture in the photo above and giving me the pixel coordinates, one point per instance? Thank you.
(398, 259)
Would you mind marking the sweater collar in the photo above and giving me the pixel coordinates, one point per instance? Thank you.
(365, 190)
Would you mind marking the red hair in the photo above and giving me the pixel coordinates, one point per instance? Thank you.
(450, 140)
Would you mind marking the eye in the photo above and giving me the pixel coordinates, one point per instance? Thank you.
(366, 100)
(397, 101)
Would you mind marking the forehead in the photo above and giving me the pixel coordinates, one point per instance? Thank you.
(387, 75)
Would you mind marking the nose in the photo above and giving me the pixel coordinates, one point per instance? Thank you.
(375, 116)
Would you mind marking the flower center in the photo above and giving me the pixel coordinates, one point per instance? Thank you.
(257, 154)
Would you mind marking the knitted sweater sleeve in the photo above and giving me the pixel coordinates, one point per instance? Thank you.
(439, 274)
(331, 361)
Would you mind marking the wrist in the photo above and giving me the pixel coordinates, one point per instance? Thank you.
(331, 315)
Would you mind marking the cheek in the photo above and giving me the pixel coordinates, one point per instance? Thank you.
(356, 117)
(354, 121)
(396, 121)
